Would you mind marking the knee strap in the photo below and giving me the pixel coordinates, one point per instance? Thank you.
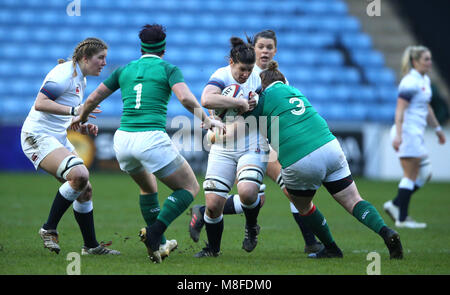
(68, 164)
(251, 174)
(424, 173)
(216, 186)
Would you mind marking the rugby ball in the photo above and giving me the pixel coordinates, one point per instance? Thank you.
(233, 91)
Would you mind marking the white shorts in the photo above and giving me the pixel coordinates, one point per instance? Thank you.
(149, 150)
(326, 164)
(223, 165)
(412, 146)
(37, 146)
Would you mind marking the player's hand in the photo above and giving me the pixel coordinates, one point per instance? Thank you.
(253, 100)
(217, 123)
(441, 136)
(396, 143)
(87, 129)
(243, 106)
(77, 121)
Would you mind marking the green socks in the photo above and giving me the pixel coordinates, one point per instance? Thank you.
(368, 215)
(317, 223)
(150, 209)
(175, 205)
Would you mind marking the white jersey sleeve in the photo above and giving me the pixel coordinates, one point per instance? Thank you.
(408, 88)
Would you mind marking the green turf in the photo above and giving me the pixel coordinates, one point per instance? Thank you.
(26, 199)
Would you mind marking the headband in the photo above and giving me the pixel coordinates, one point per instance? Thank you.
(153, 47)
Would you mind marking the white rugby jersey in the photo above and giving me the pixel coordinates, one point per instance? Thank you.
(416, 89)
(222, 78)
(60, 86)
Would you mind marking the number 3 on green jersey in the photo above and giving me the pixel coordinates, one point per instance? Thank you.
(301, 105)
(138, 89)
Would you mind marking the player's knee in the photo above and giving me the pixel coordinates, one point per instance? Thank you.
(79, 178)
(213, 209)
(248, 192)
(249, 181)
(424, 174)
(86, 195)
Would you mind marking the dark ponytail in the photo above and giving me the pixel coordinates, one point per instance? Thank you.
(242, 52)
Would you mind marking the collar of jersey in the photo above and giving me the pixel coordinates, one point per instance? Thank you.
(149, 55)
(416, 73)
(79, 72)
(273, 84)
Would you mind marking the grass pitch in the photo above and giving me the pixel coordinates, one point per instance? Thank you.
(26, 200)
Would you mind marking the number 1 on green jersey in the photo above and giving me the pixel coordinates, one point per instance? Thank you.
(138, 89)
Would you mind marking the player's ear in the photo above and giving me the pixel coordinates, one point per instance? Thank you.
(230, 61)
(85, 59)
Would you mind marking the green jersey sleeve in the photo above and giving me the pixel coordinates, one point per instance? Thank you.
(112, 82)
(175, 75)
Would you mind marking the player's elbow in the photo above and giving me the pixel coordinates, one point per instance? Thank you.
(39, 105)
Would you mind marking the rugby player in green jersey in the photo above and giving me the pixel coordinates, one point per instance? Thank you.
(143, 148)
(310, 156)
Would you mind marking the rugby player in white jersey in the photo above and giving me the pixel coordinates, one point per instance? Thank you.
(412, 114)
(265, 43)
(237, 157)
(44, 142)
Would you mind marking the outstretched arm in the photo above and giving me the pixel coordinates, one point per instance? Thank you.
(188, 100)
(91, 104)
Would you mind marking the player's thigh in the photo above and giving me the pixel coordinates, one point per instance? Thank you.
(273, 170)
(182, 178)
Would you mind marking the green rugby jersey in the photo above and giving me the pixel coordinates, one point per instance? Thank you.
(146, 87)
(301, 129)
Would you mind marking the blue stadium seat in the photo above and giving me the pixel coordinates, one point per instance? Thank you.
(368, 58)
(356, 40)
(313, 36)
(380, 76)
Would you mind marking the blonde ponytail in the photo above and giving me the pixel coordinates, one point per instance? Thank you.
(61, 60)
(411, 53)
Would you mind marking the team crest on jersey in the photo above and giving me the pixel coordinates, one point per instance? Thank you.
(77, 90)
(34, 157)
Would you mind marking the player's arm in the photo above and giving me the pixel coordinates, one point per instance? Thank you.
(189, 101)
(90, 105)
(402, 105)
(434, 123)
(212, 98)
(45, 100)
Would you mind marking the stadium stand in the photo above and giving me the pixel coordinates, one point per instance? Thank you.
(321, 48)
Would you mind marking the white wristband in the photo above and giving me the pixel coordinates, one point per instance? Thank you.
(75, 111)
(437, 129)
